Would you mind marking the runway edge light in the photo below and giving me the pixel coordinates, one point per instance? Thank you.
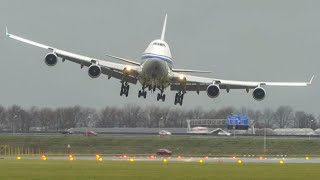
(281, 161)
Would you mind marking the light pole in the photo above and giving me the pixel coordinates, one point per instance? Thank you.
(310, 128)
(264, 140)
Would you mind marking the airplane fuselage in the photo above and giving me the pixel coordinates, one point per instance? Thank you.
(156, 65)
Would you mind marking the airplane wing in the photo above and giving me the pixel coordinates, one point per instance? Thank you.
(118, 71)
(181, 82)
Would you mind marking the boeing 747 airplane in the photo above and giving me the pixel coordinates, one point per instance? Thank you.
(155, 72)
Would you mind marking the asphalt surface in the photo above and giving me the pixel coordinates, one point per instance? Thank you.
(183, 159)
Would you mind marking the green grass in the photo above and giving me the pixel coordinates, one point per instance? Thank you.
(149, 144)
(36, 169)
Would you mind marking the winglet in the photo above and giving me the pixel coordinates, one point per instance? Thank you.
(7, 32)
(310, 82)
(164, 28)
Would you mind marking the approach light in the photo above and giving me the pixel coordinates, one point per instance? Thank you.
(70, 157)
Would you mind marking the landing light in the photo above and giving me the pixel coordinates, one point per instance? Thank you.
(128, 68)
(181, 76)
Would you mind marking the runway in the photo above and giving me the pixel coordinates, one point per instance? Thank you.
(183, 159)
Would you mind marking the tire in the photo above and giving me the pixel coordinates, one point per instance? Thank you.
(163, 98)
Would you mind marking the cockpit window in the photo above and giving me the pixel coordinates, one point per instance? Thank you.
(159, 44)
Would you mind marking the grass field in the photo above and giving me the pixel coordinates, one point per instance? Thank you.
(36, 169)
(22, 144)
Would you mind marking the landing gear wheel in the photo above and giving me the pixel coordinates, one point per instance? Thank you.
(178, 99)
(124, 89)
(142, 93)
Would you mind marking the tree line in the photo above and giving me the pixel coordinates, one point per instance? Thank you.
(17, 118)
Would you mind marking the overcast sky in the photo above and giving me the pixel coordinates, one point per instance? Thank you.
(271, 40)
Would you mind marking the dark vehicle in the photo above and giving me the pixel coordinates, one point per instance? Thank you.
(164, 152)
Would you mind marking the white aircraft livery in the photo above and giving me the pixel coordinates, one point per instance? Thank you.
(155, 72)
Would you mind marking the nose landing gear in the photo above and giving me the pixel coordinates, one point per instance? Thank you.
(142, 93)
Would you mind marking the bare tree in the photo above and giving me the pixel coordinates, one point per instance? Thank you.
(131, 116)
(284, 116)
(3, 121)
(108, 117)
(268, 118)
(224, 112)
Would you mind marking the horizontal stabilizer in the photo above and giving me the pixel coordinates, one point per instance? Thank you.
(123, 59)
(190, 71)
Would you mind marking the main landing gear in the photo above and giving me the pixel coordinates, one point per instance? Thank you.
(142, 93)
(178, 99)
(161, 96)
(124, 89)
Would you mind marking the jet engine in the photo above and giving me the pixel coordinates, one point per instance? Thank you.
(259, 94)
(51, 59)
(213, 91)
(94, 71)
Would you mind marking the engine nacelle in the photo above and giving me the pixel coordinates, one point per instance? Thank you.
(51, 59)
(94, 71)
(259, 94)
(213, 91)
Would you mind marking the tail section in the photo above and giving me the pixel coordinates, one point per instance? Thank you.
(164, 28)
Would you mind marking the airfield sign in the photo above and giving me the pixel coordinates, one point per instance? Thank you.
(238, 122)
